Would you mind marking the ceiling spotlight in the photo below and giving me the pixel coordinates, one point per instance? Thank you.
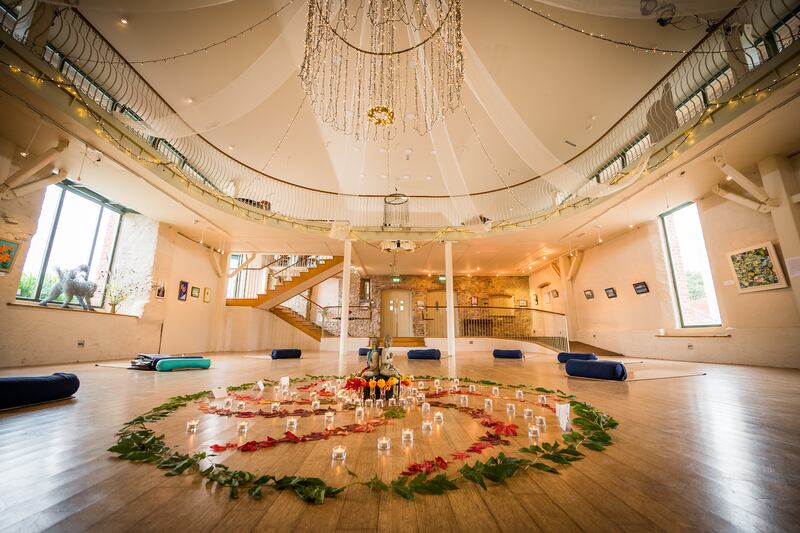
(630, 226)
(428, 178)
(23, 154)
(469, 275)
(123, 21)
(729, 178)
(230, 148)
(189, 100)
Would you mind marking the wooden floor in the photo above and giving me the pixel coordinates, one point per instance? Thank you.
(719, 452)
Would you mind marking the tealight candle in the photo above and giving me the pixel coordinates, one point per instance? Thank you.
(368, 403)
(472, 388)
(408, 435)
(240, 405)
(527, 413)
(315, 405)
(392, 402)
(384, 443)
(520, 395)
(425, 408)
(438, 390)
(293, 395)
(276, 406)
(291, 423)
(533, 431)
(541, 399)
(495, 391)
(242, 427)
(427, 425)
(456, 383)
(488, 405)
(420, 397)
(339, 453)
(339, 383)
(437, 383)
(359, 412)
(403, 402)
(540, 421)
(228, 403)
(191, 426)
(379, 403)
(511, 409)
(438, 417)
(329, 417)
(464, 400)
(421, 385)
(313, 396)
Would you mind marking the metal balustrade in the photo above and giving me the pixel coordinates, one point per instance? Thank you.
(756, 31)
(249, 282)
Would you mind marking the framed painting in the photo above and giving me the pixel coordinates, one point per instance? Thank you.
(641, 287)
(611, 292)
(206, 295)
(195, 292)
(8, 252)
(757, 268)
(183, 290)
(523, 303)
(588, 294)
(161, 290)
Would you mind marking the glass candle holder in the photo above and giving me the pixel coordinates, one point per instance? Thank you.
(420, 397)
(293, 395)
(339, 453)
(533, 431)
(368, 403)
(519, 395)
(313, 396)
(359, 413)
(488, 404)
(242, 427)
(463, 400)
(540, 421)
(425, 408)
(403, 402)
(421, 385)
(438, 417)
(329, 417)
(511, 409)
(191, 426)
(495, 391)
(408, 435)
(339, 382)
(240, 405)
(379, 403)
(276, 406)
(384, 443)
(437, 383)
(541, 399)
(527, 413)
(391, 402)
(456, 383)
(227, 404)
(291, 423)
(315, 405)
(473, 388)
(427, 425)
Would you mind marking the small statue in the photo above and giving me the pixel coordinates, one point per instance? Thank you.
(75, 283)
(379, 362)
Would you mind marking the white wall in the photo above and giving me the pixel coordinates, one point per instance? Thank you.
(249, 329)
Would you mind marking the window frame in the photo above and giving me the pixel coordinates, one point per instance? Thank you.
(671, 264)
(68, 186)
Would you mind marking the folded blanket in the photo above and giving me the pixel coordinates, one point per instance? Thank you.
(563, 357)
(597, 369)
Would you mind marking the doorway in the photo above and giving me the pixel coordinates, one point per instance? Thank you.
(396, 313)
(436, 314)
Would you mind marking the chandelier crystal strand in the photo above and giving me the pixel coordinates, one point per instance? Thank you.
(406, 75)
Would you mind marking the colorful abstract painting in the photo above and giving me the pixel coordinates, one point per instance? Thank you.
(8, 251)
(757, 268)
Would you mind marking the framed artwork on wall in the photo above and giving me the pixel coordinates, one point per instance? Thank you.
(473, 301)
(757, 268)
(183, 290)
(206, 295)
(8, 252)
(641, 287)
(195, 292)
(523, 303)
(588, 294)
(554, 294)
(161, 290)
(611, 292)
(535, 298)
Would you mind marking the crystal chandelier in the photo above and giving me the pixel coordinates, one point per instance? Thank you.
(374, 66)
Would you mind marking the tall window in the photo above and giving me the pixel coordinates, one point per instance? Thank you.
(691, 273)
(75, 228)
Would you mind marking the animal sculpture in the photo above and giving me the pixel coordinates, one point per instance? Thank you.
(73, 283)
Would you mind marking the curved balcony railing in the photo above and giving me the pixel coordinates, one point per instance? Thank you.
(756, 31)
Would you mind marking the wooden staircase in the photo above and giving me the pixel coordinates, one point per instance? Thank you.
(407, 342)
(288, 289)
(298, 321)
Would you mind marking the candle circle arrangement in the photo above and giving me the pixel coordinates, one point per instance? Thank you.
(425, 408)
(191, 426)
(463, 400)
(511, 409)
(384, 443)
(527, 413)
(407, 435)
(329, 417)
(438, 417)
(339, 453)
(472, 388)
(540, 421)
(291, 423)
(242, 426)
(315, 405)
(541, 399)
(519, 395)
(495, 391)
(427, 425)
(533, 431)
(359, 413)
(488, 404)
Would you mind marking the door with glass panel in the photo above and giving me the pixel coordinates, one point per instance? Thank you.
(396, 313)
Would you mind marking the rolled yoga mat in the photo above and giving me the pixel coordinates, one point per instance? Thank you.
(286, 353)
(610, 370)
(508, 354)
(28, 390)
(430, 353)
(563, 357)
(182, 363)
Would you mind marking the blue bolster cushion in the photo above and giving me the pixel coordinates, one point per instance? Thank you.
(286, 353)
(365, 351)
(429, 353)
(28, 390)
(563, 357)
(597, 369)
(508, 354)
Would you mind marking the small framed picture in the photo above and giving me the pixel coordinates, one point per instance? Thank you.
(611, 292)
(588, 294)
(206, 295)
(8, 252)
(195, 292)
(161, 290)
(183, 290)
(523, 303)
(535, 298)
(554, 294)
(757, 268)
(473, 301)
(641, 287)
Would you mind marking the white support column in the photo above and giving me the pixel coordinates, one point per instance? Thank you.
(450, 298)
(345, 300)
(780, 184)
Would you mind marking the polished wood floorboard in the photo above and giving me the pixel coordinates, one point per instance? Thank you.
(719, 452)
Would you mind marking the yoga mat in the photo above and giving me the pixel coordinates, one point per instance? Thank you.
(111, 365)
